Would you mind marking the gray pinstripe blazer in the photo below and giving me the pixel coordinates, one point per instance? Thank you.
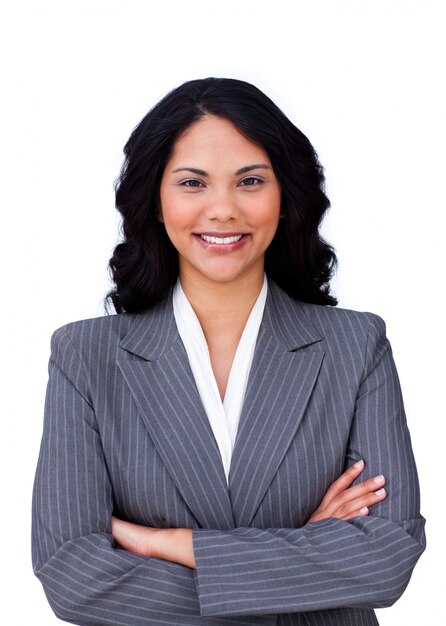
(125, 432)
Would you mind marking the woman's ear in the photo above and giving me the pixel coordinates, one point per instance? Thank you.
(159, 212)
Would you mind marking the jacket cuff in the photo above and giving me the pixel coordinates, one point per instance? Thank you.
(208, 572)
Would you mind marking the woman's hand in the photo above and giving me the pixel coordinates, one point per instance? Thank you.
(170, 544)
(175, 544)
(344, 502)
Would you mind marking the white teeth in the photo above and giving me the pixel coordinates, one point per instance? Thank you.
(221, 239)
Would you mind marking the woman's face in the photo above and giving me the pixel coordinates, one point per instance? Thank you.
(220, 202)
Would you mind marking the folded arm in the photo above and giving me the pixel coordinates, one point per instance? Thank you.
(86, 577)
(365, 561)
(344, 556)
(176, 544)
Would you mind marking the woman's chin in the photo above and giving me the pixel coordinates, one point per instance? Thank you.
(222, 274)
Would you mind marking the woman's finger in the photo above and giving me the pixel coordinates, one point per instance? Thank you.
(362, 512)
(350, 508)
(343, 503)
(343, 482)
(350, 498)
(371, 485)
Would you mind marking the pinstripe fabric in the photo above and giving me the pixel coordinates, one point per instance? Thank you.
(125, 432)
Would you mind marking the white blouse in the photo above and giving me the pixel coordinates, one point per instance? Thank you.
(223, 416)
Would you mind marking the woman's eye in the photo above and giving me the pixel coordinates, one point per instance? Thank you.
(251, 181)
(192, 182)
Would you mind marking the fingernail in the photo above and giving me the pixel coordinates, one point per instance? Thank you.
(378, 479)
(359, 464)
(364, 510)
(380, 492)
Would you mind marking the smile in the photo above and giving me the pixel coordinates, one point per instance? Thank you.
(221, 240)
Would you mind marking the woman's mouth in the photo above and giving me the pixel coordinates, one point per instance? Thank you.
(227, 243)
(221, 239)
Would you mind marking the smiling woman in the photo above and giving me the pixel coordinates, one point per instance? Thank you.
(229, 448)
(222, 221)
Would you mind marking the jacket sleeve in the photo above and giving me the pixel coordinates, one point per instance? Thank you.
(362, 562)
(86, 578)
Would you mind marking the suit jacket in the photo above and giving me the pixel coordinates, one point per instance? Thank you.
(125, 432)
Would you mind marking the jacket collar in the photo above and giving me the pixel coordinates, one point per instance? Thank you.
(154, 331)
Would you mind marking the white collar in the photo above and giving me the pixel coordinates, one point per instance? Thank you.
(223, 416)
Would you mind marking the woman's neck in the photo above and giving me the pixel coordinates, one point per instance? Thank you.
(222, 308)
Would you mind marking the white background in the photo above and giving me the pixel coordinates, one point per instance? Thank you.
(364, 80)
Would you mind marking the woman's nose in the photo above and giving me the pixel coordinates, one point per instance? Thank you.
(222, 206)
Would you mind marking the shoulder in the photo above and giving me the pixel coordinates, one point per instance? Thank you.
(327, 319)
(350, 330)
(343, 333)
(88, 345)
(92, 331)
(99, 340)
(332, 319)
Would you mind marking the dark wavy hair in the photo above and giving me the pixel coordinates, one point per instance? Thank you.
(145, 264)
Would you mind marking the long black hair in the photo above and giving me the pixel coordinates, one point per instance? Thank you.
(145, 264)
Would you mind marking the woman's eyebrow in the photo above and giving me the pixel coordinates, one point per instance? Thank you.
(254, 166)
(194, 170)
(242, 170)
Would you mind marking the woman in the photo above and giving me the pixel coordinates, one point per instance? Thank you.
(216, 453)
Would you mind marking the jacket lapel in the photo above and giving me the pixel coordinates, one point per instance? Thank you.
(286, 363)
(282, 377)
(155, 366)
